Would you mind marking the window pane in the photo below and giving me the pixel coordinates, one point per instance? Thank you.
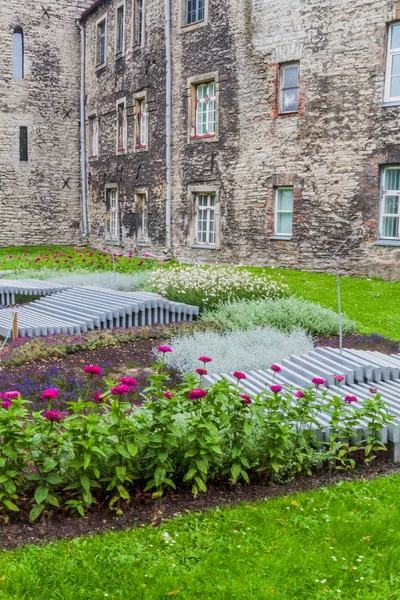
(395, 87)
(212, 200)
(285, 199)
(18, 55)
(396, 64)
(390, 227)
(391, 205)
(290, 76)
(395, 39)
(392, 179)
(284, 223)
(290, 100)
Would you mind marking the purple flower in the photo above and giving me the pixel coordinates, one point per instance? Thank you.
(197, 393)
(120, 390)
(53, 415)
(50, 394)
(239, 375)
(275, 388)
(93, 370)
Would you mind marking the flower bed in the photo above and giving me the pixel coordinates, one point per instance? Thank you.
(106, 447)
(206, 287)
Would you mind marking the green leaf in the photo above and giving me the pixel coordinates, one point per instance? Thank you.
(202, 465)
(86, 460)
(157, 494)
(88, 498)
(247, 428)
(190, 453)
(123, 451)
(54, 478)
(36, 512)
(10, 505)
(85, 482)
(132, 448)
(245, 476)
(162, 455)
(170, 483)
(76, 463)
(53, 500)
(121, 473)
(123, 492)
(235, 471)
(80, 510)
(190, 474)
(4, 478)
(9, 486)
(201, 484)
(41, 494)
(159, 476)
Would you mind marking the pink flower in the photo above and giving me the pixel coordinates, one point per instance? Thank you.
(350, 399)
(130, 381)
(205, 359)
(202, 371)
(13, 395)
(197, 393)
(373, 391)
(318, 381)
(147, 255)
(275, 388)
(98, 397)
(93, 370)
(164, 349)
(50, 394)
(53, 415)
(239, 375)
(276, 368)
(245, 399)
(6, 404)
(169, 395)
(120, 390)
(299, 394)
(339, 378)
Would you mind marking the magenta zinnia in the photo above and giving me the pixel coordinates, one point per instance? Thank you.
(120, 390)
(275, 388)
(239, 375)
(6, 404)
(299, 394)
(197, 393)
(318, 381)
(50, 394)
(169, 395)
(339, 378)
(129, 381)
(13, 395)
(201, 371)
(53, 415)
(245, 399)
(164, 349)
(276, 368)
(93, 370)
(98, 396)
(205, 359)
(350, 399)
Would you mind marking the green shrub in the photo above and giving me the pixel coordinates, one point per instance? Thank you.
(285, 314)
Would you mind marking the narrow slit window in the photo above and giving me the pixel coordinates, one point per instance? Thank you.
(121, 127)
(139, 22)
(289, 88)
(284, 211)
(18, 54)
(142, 210)
(390, 204)
(141, 123)
(101, 43)
(194, 11)
(112, 214)
(120, 30)
(23, 144)
(205, 219)
(205, 119)
(93, 137)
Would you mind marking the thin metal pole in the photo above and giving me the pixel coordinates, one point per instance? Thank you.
(339, 308)
(168, 121)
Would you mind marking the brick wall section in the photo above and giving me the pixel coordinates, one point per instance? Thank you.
(34, 206)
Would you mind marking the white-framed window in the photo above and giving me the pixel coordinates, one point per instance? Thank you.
(195, 11)
(143, 217)
(205, 219)
(93, 136)
(112, 220)
(206, 109)
(18, 53)
(289, 84)
(141, 123)
(101, 42)
(138, 22)
(390, 204)
(121, 126)
(392, 83)
(120, 30)
(284, 211)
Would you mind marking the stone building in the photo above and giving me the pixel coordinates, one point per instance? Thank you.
(251, 131)
(40, 181)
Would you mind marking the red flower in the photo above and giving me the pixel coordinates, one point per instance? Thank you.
(299, 394)
(169, 395)
(239, 375)
(50, 394)
(130, 381)
(93, 370)
(202, 371)
(205, 359)
(164, 349)
(120, 390)
(197, 393)
(276, 368)
(53, 415)
(318, 381)
(98, 397)
(350, 399)
(275, 388)
(245, 399)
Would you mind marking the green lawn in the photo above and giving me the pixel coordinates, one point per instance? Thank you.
(373, 303)
(300, 547)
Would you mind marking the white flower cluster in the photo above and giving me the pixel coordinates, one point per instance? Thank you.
(216, 282)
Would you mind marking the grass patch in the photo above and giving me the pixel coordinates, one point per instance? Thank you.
(339, 542)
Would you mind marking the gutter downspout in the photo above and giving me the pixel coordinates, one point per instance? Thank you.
(168, 120)
(83, 136)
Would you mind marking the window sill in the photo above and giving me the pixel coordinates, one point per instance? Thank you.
(141, 148)
(142, 242)
(204, 246)
(195, 139)
(121, 151)
(289, 113)
(100, 67)
(119, 56)
(390, 103)
(284, 238)
(93, 158)
(191, 26)
(387, 243)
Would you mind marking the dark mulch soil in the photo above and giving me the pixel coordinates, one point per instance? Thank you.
(360, 342)
(145, 510)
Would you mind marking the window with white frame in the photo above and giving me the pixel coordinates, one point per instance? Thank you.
(141, 123)
(101, 42)
(142, 212)
(93, 136)
(138, 22)
(205, 219)
(120, 30)
(112, 213)
(205, 109)
(289, 88)
(194, 11)
(18, 53)
(284, 211)
(121, 126)
(390, 204)
(392, 83)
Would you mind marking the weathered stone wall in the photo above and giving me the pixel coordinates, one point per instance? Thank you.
(36, 206)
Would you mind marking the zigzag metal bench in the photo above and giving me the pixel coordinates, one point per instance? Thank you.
(29, 287)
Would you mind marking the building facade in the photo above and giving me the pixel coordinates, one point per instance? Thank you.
(283, 142)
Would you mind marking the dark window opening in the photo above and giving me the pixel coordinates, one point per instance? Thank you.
(23, 144)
